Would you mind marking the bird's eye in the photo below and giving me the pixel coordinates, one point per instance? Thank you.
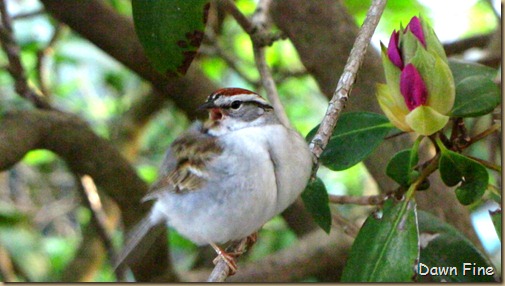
(236, 104)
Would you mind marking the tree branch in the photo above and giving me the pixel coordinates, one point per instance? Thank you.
(344, 86)
(361, 200)
(15, 67)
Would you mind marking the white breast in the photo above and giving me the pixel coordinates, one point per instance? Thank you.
(239, 197)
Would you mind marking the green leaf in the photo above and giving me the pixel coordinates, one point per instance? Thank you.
(386, 248)
(461, 70)
(356, 136)
(476, 93)
(475, 96)
(400, 167)
(315, 199)
(455, 168)
(443, 247)
(170, 31)
(425, 120)
(39, 157)
(496, 218)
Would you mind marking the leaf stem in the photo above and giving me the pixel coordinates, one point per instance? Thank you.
(430, 168)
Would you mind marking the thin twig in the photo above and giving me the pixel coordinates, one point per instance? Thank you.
(349, 227)
(260, 38)
(485, 133)
(42, 56)
(337, 103)
(361, 200)
(92, 201)
(16, 69)
(269, 84)
(231, 61)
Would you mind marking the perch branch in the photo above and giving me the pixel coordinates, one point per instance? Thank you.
(316, 254)
(15, 67)
(221, 271)
(341, 94)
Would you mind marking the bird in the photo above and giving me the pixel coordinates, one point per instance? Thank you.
(223, 179)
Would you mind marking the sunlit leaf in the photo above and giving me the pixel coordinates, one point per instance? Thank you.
(386, 248)
(170, 31)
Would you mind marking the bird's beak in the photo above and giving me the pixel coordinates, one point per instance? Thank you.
(207, 105)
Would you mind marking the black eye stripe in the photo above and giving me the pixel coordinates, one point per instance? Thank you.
(264, 106)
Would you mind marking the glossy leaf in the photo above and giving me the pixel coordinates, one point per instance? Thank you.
(476, 93)
(315, 199)
(475, 96)
(497, 219)
(386, 248)
(455, 168)
(170, 31)
(400, 167)
(356, 136)
(461, 70)
(442, 247)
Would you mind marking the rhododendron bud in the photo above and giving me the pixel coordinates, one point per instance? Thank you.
(420, 88)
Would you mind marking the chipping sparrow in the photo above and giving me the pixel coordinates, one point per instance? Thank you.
(222, 180)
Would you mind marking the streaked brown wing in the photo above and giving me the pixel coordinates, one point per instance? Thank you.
(191, 152)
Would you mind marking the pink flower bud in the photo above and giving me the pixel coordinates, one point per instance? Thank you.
(415, 27)
(394, 50)
(412, 87)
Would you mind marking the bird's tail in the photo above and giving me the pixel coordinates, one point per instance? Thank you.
(133, 239)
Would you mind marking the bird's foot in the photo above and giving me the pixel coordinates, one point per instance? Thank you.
(228, 257)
